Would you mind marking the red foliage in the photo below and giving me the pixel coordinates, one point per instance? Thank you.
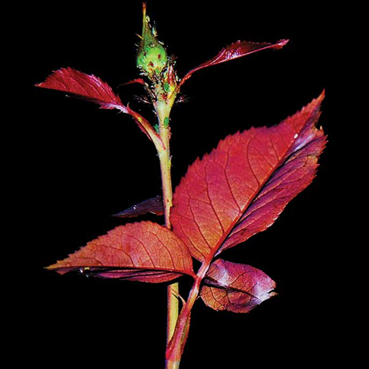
(236, 50)
(145, 252)
(235, 287)
(83, 85)
(242, 186)
(91, 88)
(236, 191)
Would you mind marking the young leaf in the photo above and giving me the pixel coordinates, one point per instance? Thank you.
(145, 252)
(83, 85)
(139, 81)
(93, 89)
(242, 186)
(235, 287)
(234, 51)
(153, 206)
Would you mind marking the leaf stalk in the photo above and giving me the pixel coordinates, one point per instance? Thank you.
(176, 345)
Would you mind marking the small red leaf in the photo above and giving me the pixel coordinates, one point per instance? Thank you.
(234, 51)
(235, 287)
(145, 252)
(133, 81)
(83, 85)
(153, 206)
(242, 186)
(93, 89)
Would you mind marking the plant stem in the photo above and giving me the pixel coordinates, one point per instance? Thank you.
(173, 289)
(176, 346)
(177, 324)
(165, 167)
(163, 111)
(172, 364)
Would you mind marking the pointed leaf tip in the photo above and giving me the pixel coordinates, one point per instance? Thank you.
(281, 43)
(236, 50)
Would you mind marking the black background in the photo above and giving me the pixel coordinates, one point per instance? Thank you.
(81, 164)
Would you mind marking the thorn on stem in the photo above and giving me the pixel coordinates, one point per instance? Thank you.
(179, 297)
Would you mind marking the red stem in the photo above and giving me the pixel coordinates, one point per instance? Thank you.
(178, 341)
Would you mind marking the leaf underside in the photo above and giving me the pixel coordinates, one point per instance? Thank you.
(242, 186)
(153, 206)
(235, 287)
(145, 252)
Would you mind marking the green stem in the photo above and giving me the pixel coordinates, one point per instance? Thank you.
(165, 167)
(163, 111)
(172, 364)
(173, 289)
(172, 309)
(176, 346)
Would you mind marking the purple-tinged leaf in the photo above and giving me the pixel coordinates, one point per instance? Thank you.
(235, 287)
(153, 206)
(236, 50)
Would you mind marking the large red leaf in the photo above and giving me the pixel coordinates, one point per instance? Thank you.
(234, 51)
(144, 251)
(242, 186)
(235, 287)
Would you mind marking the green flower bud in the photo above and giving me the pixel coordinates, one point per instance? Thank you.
(151, 56)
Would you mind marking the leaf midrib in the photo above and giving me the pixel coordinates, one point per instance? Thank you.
(261, 185)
